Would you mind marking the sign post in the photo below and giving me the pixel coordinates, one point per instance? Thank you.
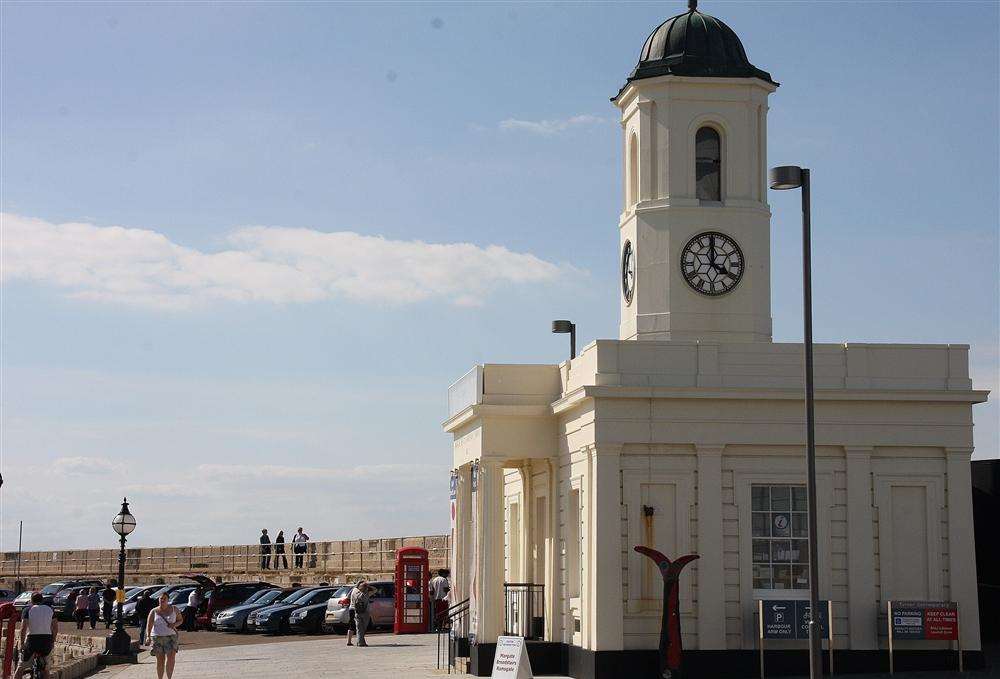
(511, 660)
(923, 621)
(789, 620)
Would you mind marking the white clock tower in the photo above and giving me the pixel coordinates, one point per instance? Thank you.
(695, 224)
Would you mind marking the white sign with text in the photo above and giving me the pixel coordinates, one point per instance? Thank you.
(511, 660)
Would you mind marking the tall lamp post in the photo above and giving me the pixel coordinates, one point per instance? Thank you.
(783, 178)
(120, 643)
(564, 327)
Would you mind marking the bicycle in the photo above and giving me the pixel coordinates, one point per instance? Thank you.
(38, 662)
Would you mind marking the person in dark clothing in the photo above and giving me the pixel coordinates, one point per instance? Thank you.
(142, 608)
(93, 606)
(300, 543)
(265, 550)
(107, 605)
(279, 550)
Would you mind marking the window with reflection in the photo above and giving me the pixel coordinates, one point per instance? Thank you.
(780, 529)
(708, 164)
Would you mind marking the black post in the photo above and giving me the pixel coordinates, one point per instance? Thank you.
(120, 643)
(572, 342)
(815, 647)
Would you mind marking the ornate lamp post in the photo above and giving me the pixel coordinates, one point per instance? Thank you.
(120, 643)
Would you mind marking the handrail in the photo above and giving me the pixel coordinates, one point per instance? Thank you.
(452, 633)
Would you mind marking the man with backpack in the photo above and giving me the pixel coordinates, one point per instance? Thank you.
(360, 610)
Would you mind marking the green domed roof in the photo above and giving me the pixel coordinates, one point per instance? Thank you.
(695, 44)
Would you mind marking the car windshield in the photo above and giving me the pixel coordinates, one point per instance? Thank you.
(319, 596)
(343, 591)
(134, 594)
(52, 589)
(180, 596)
(295, 596)
(23, 596)
(259, 596)
(269, 596)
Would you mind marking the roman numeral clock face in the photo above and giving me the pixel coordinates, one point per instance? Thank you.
(712, 263)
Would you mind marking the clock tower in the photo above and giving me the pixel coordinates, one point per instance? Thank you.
(695, 224)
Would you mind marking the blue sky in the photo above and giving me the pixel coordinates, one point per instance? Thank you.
(457, 168)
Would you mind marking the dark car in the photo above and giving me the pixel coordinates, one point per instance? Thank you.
(234, 618)
(7, 595)
(274, 619)
(50, 590)
(309, 619)
(128, 608)
(219, 596)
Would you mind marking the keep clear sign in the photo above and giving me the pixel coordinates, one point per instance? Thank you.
(511, 660)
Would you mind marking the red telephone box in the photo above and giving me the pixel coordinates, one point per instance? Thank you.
(412, 591)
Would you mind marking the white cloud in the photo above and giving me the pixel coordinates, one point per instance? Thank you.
(277, 265)
(84, 466)
(372, 472)
(550, 127)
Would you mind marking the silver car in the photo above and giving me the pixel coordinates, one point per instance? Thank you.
(383, 608)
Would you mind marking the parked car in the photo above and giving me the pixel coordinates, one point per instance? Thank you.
(234, 618)
(23, 600)
(274, 619)
(383, 608)
(219, 596)
(7, 595)
(128, 608)
(53, 588)
(309, 619)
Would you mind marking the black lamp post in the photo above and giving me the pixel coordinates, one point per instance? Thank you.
(120, 643)
(794, 177)
(564, 327)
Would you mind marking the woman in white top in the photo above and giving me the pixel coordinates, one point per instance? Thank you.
(163, 621)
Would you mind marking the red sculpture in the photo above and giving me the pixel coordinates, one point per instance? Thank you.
(670, 628)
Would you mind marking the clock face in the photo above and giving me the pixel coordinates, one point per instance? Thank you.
(628, 272)
(712, 263)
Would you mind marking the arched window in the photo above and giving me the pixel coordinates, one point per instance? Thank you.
(708, 164)
(633, 170)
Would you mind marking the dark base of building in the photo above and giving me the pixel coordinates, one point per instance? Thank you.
(556, 658)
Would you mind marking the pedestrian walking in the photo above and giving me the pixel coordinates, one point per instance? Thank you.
(265, 550)
(80, 607)
(360, 611)
(279, 550)
(143, 606)
(162, 623)
(191, 612)
(107, 604)
(440, 588)
(93, 606)
(301, 544)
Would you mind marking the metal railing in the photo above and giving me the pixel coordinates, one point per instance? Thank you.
(524, 610)
(343, 556)
(453, 638)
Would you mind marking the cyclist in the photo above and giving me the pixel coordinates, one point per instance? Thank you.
(39, 624)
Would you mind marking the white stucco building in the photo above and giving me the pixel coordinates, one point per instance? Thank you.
(687, 432)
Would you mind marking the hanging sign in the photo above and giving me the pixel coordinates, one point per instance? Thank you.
(511, 660)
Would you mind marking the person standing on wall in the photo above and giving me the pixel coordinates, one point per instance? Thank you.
(93, 606)
(265, 550)
(142, 608)
(279, 550)
(108, 603)
(440, 588)
(300, 542)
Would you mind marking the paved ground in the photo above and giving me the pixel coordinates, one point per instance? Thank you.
(203, 639)
(387, 657)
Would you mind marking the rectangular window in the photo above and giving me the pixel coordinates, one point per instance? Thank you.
(574, 545)
(780, 532)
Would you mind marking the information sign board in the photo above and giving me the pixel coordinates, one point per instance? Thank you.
(923, 621)
(511, 659)
(789, 619)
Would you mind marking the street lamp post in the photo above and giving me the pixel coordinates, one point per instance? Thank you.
(564, 327)
(794, 177)
(120, 643)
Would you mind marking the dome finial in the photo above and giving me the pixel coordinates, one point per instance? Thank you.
(692, 5)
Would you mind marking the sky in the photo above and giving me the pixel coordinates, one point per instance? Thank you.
(247, 247)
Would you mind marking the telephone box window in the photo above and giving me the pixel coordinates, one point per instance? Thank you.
(708, 164)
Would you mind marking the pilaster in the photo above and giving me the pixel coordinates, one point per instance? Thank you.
(861, 592)
(711, 580)
(606, 613)
(489, 572)
(962, 545)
